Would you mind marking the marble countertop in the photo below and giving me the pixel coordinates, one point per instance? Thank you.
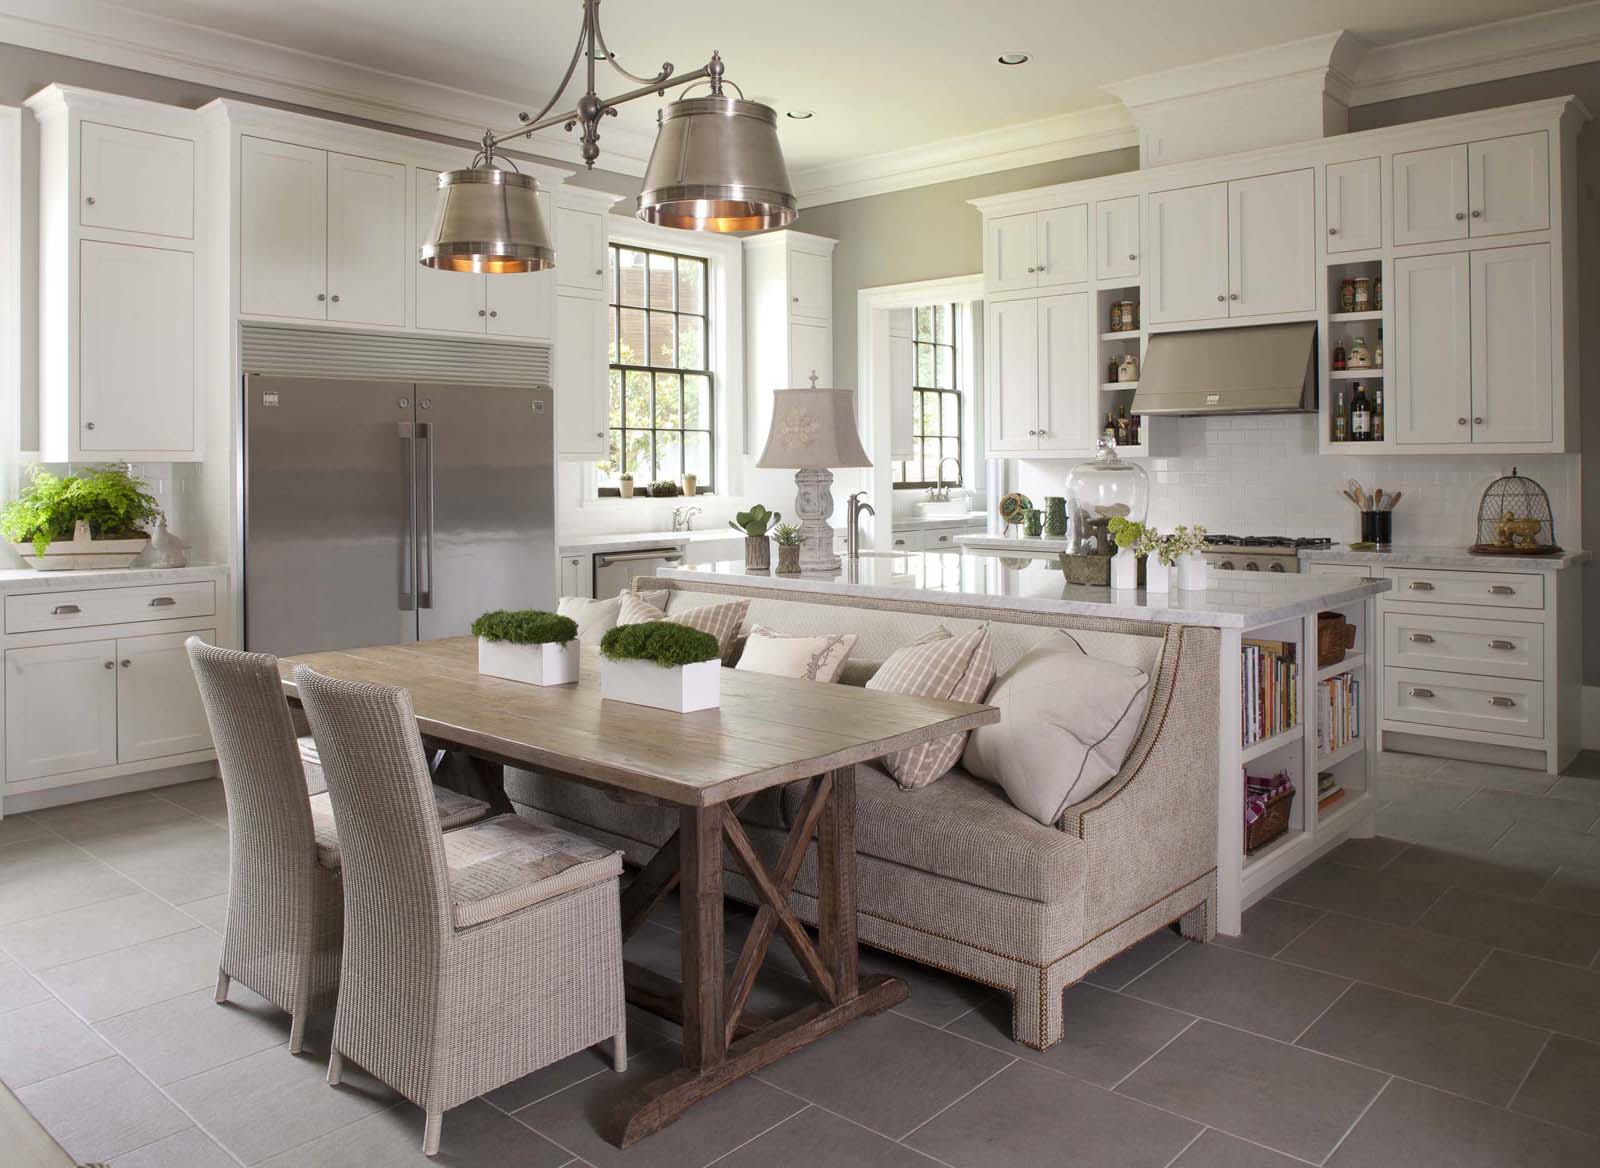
(1239, 600)
(1024, 545)
(22, 580)
(913, 522)
(617, 541)
(1444, 557)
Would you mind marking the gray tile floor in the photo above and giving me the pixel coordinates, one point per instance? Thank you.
(1427, 997)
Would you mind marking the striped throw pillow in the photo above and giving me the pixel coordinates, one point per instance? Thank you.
(722, 621)
(936, 665)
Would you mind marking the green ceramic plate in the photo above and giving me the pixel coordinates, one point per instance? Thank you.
(1014, 508)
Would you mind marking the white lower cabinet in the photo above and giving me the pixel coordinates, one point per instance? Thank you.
(158, 706)
(61, 709)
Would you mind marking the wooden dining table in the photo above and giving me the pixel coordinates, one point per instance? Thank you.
(768, 732)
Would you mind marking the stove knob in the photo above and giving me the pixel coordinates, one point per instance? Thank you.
(1276, 568)
(1251, 566)
(1225, 566)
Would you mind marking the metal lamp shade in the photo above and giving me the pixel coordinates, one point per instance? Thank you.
(813, 429)
(488, 220)
(717, 166)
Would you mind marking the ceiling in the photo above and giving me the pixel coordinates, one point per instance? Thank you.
(880, 75)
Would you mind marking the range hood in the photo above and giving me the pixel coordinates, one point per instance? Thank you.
(1262, 369)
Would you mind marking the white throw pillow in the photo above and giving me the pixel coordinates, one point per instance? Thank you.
(789, 655)
(722, 621)
(1067, 723)
(596, 618)
(935, 665)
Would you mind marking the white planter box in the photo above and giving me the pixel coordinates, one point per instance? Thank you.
(681, 688)
(82, 553)
(531, 664)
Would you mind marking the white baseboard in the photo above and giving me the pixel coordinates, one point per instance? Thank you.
(1590, 717)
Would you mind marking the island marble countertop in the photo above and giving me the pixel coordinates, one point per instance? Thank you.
(1238, 600)
(1443, 557)
(24, 580)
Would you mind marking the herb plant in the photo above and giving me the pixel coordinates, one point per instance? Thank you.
(786, 535)
(756, 522)
(1124, 531)
(525, 627)
(109, 499)
(664, 489)
(662, 642)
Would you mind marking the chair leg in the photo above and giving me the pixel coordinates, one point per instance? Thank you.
(335, 1067)
(297, 1030)
(619, 1051)
(430, 1133)
(223, 982)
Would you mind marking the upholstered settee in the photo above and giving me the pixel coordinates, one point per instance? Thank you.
(952, 875)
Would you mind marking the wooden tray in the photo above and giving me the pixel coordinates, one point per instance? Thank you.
(1494, 549)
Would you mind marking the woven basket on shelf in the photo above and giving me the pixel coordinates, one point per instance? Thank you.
(1274, 822)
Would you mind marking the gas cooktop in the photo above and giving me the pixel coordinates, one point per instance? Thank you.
(1266, 541)
(1258, 553)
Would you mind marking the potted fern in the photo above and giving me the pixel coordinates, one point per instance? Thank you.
(661, 664)
(756, 523)
(787, 537)
(91, 519)
(536, 648)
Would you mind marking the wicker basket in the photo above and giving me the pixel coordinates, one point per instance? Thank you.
(1274, 822)
(1334, 635)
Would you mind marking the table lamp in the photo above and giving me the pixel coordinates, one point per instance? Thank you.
(814, 430)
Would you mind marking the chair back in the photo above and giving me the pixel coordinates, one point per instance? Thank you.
(396, 891)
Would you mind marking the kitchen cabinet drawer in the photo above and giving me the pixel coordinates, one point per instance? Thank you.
(907, 541)
(1453, 644)
(1488, 589)
(39, 611)
(942, 540)
(1494, 705)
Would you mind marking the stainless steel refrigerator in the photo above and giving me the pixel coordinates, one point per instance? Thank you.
(378, 512)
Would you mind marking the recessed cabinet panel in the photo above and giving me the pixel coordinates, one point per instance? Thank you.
(1010, 243)
(1430, 195)
(523, 304)
(810, 285)
(1355, 205)
(61, 709)
(580, 249)
(1188, 275)
(133, 180)
(583, 391)
(1063, 256)
(1431, 352)
(136, 376)
(366, 240)
(453, 301)
(1011, 355)
(1271, 244)
(1509, 184)
(1512, 398)
(158, 705)
(283, 229)
(810, 352)
(1117, 238)
(1065, 391)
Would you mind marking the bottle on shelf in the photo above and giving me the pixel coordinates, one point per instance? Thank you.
(1358, 356)
(1377, 413)
(1124, 427)
(1338, 355)
(1377, 350)
(1339, 434)
(1360, 415)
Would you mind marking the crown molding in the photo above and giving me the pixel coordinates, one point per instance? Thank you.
(111, 35)
(1326, 61)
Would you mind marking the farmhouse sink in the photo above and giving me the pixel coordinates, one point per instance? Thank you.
(953, 509)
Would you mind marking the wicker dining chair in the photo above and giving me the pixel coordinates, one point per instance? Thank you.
(470, 958)
(285, 896)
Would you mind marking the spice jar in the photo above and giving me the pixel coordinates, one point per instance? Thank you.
(1130, 316)
(1363, 295)
(1347, 295)
(1129, 369)
(1116, 316)
(1359, 356)
(1377, 292)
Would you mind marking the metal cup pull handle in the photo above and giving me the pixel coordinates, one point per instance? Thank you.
(1420, 586)
(162, 602)
(1421, 639)
(1502, 590)
(65, 610)
(1418, 692)
(1505, 703)
(1501, 645)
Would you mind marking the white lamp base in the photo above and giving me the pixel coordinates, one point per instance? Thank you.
(814, 504)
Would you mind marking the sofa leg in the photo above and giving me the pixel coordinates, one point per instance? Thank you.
(1200, 922)
(1036, 1009)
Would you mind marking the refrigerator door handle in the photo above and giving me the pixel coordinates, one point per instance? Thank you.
(408, 542)
(425, 538)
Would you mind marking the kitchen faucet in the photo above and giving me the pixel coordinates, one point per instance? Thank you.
(854, 508)
(683, 518)
(940, 493)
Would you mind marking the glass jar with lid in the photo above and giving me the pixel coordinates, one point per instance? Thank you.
(1101, 490)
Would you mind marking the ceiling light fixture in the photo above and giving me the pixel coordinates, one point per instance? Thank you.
(1013, 58)
(716, 166)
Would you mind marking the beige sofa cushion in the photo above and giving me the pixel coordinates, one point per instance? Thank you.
(1067, 722)
(936, 665)
(596, 618)
(793, 655)
(722, 621)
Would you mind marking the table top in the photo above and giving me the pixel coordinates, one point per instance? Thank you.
(767, 732)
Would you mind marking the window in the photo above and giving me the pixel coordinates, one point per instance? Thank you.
(936, 410)
(662, 408)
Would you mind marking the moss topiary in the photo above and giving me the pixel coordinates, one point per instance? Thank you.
(662, 642)
(526, 627)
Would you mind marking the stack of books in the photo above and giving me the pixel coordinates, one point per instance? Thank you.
(1270, 700)
(1329, 792)
(1338, 712)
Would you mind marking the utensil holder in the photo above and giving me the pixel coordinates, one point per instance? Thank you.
(1377, 527)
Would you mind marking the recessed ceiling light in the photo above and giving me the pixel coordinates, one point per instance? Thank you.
(800, 115)
(1013, 58)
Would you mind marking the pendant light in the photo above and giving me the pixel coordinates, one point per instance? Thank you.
(716, 166)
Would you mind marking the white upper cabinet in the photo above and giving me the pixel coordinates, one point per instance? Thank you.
(1272, 244)
(580, 238)
(1037, 377)
(521, 304)
(1508, 184)
(1063, 256)
(1011, 375)
(810, 351)
(1188, 270)
(1039, 249)
(1512, 398)
(367, 240)
(1065, 390)
(453, 301)
(1430, 195)
(810, 285)
(1116, 238)
(582, 369)
(283, 229)
(1355, 205)
(1430, 355)
(132, 180)
(1009, 244)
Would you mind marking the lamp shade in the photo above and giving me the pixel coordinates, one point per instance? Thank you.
(813, 429)
(717, 166)
(487, 220)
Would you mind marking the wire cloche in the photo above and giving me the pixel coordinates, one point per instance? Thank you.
(1514, 519)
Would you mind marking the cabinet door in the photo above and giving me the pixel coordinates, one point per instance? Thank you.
(810, 285)
(1272, 244)
(1508, 184)
(61, 709)
(902, 376)
(580, 249)
(1512, 395)
(1063, 240)
(1067, 397)
(1116, 238)
(582, 369)
(575, 576)
(283, 229)
(523, 304)
(1010, 243)
(455, 301)
(136, 372)
(810, 351)
(1011, 359)
(367, 241)
(1430, 357)
(1188, 272)
(158, 704)
(1430, 195)
(131, 180)
(1355, 205)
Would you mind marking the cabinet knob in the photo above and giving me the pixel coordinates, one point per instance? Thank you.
(483, 312)
(1459, 215)
(600, 434)
(1233, 296)
(797, 299)
(88, 425)
(493, 312)
(1333, 231)
(322, 295)
(1477, 421)
(110, 664)
(126, 662)
(1504, 703)
(599, 271)
(1503, 646)
(90, 200)
(1133, 255)
(1477, 214)
(1461, 421)
(1220, 296)
(334, 298)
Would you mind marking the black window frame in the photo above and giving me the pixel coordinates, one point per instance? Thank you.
(920, 394)
(618, 433)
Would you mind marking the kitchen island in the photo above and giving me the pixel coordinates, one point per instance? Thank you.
(1248, 609)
